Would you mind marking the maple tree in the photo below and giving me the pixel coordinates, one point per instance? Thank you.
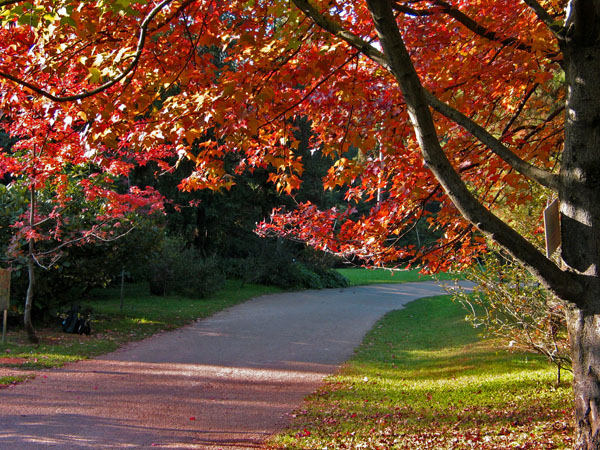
(457, 103)
(65, 193)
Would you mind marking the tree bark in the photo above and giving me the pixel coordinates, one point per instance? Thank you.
(580, 212)
(584, 333)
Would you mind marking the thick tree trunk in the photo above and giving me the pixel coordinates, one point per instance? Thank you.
(584, 331)
(580, 213)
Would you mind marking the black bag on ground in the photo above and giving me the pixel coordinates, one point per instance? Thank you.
(74, 324)
(84, 326)
(71, 323)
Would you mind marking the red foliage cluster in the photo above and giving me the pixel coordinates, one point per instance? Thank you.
(202, 81)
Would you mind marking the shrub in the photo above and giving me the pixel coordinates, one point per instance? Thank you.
(510, 304)
(247, 270)
(278, 266)
(331, 278)
(201, 278)
(181, 271)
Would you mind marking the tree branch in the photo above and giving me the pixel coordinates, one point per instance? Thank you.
(467, 22)
(336, 30)
(544, 16)
(519, 110)
(310, 92)
(129, 69)
(86, 236)
(564, 284)
(538, 175)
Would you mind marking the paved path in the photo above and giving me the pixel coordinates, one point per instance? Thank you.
(226, 382)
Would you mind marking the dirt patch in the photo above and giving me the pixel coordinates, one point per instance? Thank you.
(9, 361)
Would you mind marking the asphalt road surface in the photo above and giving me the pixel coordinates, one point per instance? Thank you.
(227, 382)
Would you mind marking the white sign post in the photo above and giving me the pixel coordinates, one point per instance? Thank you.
(552, 227)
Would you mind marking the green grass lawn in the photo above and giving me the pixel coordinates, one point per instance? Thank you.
(143, 315)
(423, 379)
(361, 277)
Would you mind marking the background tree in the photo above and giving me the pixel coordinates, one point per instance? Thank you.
(64, 193)
(218, 226)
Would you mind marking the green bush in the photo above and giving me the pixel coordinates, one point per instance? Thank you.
(178, 270)
(247, 270)
(508, 303)
(306, 277)
(331, 278)
(82, 268)
(203, 277)
(278, 266)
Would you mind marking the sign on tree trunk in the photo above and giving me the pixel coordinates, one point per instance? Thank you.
(552, 228)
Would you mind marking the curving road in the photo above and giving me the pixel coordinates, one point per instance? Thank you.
(227, 382)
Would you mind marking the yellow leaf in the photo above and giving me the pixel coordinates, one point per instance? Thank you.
(94, 75)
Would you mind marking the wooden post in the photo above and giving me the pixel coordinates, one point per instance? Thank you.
(4, 298)
(4, 326)
(122, 286)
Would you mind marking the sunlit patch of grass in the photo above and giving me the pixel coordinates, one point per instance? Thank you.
(423, 379)
(362, 277)
(143, 321)
(11, 380)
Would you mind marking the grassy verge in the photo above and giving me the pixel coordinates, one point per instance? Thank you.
(142, 316)
(423, 379)
(14, 379)
(361, 277)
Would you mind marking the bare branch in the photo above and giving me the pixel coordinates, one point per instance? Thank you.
(468, 23)
(86, 236)
(311, 92)
(519, 109)
(335, 29)
(544, 16)
(550, 117)
(55, 258)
